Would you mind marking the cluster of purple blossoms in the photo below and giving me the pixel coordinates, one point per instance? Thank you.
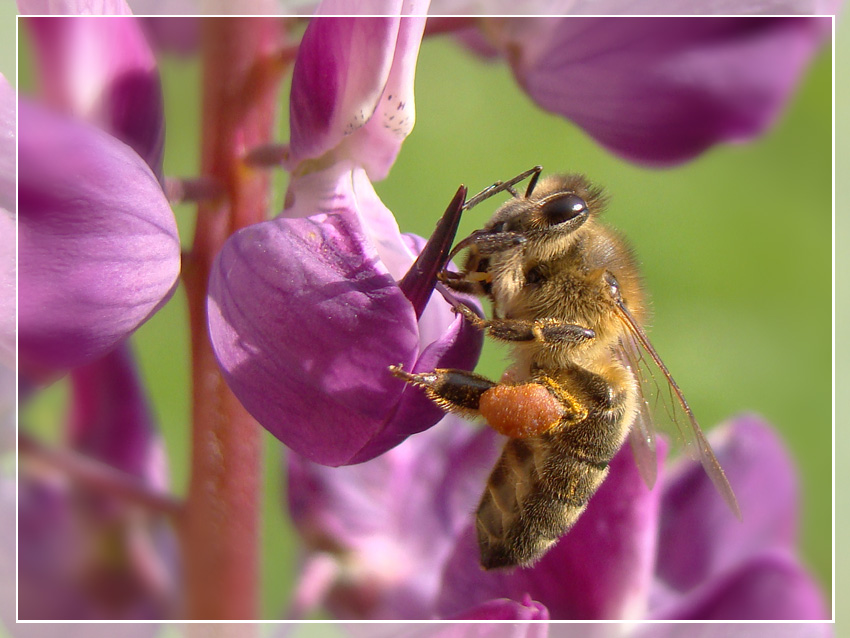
(307, 310)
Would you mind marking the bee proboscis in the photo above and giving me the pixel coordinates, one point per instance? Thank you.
(566, 293)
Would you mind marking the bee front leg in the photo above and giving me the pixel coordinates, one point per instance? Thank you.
(452, 390)
(547, 331)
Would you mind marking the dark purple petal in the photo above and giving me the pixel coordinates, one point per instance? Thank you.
(772, 585)
(110, 419)
(102, 69)
(662, 90)
(391, 522)
(699, 537)
(601, 569)
(305, 321)
(98, 245)
(506, 609)
(306, 317)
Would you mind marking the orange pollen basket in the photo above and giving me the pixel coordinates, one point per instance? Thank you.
(520, 411)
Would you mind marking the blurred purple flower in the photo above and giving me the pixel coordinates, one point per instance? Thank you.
(378, 534)
(98, 246)
(83, 553)
(674, 552)
(660, 91)
(306, 311)
(101, 69)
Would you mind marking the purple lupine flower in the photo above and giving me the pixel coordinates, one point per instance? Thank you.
(306, 311)
(660, 91)
(83, 553)
(677, 551)
(673, 552)
(378, 533)
(102, 70)
(98, 246)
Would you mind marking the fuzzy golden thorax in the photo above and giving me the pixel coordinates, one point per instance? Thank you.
(559, 270)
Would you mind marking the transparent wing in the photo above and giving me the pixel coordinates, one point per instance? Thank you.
(662, 404)
(642, 433)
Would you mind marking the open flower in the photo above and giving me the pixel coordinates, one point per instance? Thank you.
(98, 247)
(673, 552)
(308, 310)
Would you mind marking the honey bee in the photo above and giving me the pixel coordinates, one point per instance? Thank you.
(566, 293)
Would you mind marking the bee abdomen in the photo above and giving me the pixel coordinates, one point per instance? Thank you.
(533, 497)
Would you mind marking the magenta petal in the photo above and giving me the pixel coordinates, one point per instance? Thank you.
(98, 245)
(600, 570)
(699, 537)
(305, 322)
(102, 69)
(770, 586)
(662, 90)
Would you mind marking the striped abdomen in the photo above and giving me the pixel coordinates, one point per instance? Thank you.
(541, 485)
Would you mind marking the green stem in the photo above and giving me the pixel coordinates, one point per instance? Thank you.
(220, 525)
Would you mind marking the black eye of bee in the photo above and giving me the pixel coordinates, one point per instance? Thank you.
(564, 208)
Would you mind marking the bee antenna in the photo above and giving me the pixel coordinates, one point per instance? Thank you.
(498, 187)
(533, 181)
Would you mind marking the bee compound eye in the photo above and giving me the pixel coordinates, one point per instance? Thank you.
(564, 208)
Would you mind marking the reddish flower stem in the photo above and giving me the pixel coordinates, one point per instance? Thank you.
(220, 526)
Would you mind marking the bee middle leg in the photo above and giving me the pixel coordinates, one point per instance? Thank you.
(548, 331)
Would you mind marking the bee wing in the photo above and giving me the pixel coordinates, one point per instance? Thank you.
(642, 434)
(661, 402)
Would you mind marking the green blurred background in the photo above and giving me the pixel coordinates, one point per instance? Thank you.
(735, 246)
